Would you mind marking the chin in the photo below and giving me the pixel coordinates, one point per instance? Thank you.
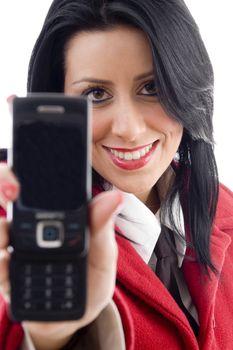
(135, 188)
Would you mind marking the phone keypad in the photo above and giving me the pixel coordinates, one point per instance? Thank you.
(49, 287)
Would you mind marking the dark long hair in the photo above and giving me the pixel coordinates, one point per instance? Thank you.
(184, 78)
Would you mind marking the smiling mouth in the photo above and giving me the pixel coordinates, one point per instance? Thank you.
(135, 154)
(132, 159)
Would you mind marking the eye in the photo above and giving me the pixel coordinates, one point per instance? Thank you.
(97, 94)
(149, 89)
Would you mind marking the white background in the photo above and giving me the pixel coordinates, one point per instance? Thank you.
(20, 23)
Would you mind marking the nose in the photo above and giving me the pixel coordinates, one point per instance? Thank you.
(128, 122)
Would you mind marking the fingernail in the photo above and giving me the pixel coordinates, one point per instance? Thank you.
(8, 190)
(10, 98)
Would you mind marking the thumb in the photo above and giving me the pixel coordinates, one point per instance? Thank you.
(103, 207)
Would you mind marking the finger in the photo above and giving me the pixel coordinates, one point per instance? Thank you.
(7, 175)
(4, 273)
(103, 249)
(9, 185)
(5, 291)
(4, 265)
(103, 208)
(4, 236)
(10, 99)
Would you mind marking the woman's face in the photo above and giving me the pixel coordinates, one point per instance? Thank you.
(134, 139)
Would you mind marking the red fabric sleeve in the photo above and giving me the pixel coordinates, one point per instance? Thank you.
(11, 334)
(2, 212)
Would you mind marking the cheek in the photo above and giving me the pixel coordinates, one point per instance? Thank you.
(100, 127)
(176, 131)
(173, 129)
(170, 128)
(97, 131)
(172, 137)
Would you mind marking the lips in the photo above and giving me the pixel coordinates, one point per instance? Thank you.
(131, 159)
(131, 155)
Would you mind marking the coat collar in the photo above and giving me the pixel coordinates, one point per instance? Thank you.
(203, 289)
(139, 279)
(142, 227)
(133, 273)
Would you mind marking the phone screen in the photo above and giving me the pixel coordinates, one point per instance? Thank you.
(50, 162)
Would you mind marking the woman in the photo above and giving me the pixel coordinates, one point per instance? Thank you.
(145, 69)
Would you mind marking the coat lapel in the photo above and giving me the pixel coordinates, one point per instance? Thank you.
(203, 289)
(139, 279)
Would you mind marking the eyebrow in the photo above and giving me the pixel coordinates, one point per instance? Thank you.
(109, 82)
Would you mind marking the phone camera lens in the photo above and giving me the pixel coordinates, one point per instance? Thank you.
(50, 233)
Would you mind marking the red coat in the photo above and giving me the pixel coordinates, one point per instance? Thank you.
(151, 318)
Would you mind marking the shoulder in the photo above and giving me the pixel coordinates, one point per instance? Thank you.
(224, 212)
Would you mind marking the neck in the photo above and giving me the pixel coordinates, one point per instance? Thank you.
(150, 199)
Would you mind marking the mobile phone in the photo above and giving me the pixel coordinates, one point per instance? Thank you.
(49, 220)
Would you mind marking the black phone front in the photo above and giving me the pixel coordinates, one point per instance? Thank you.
(49, 220)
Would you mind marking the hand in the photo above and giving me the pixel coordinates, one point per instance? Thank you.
(102, 262)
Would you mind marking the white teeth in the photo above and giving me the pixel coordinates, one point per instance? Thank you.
(136, 155)
(128, 156)
(132, 155)
(142, 152)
